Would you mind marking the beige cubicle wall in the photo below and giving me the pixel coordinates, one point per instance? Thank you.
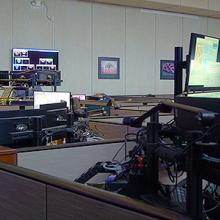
(71, 160)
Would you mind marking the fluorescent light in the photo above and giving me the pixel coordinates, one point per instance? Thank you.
(169, 13)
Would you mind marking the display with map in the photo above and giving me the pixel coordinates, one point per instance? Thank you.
(204, 65)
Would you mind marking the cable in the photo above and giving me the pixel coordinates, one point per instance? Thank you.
(98, 130)
(206, 133)
(213, 208)
(205, 215)
(116, 154)
(172, 176)
(169, 123)
(176, 177)
(169, 173)
(50, 18)
(135, 149)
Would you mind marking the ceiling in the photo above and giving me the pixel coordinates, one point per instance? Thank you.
(172, 6)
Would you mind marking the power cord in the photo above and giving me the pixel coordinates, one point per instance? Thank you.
(209, 131)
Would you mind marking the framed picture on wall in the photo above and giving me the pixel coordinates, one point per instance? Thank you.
(108, 68)
(167, 69)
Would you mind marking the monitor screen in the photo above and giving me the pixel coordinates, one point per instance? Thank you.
(81, 97)
(42, 98)
(204, 63)
(34, 59)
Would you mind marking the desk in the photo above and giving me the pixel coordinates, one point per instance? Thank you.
(8, 155)
(131, 110)
(98, 105)
(112, 127)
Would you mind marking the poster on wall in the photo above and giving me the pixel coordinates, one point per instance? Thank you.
(108, 68)
(167, 69)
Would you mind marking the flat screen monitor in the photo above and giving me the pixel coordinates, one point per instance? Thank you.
(24, 59)
(81, 97)
(204, 63)
(13, 120)
(42, 98)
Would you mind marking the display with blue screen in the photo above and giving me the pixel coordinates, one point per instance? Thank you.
(34, 59)
(204, 63)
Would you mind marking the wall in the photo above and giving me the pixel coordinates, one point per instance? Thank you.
(84, 31)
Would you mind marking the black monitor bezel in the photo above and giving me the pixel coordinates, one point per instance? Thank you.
(193, 38)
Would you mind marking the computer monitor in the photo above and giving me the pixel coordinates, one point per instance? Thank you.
(81, 97)
(34, 59)
(41, 98)
(204, 63)
(17, 121)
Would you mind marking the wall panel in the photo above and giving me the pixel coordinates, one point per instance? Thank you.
(213, 27)
(140, 52)
(31, 27)
(73, 39)
(168, 36)
(5, 33)
(192, 24)
(108, 41)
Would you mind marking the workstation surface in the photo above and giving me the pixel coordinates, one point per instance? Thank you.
(112, 127)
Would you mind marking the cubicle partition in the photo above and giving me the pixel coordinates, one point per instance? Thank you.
(41, 187)
(69, 161)
(28, 195)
